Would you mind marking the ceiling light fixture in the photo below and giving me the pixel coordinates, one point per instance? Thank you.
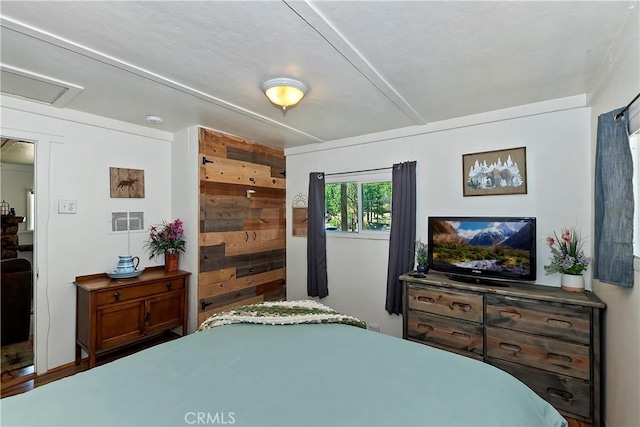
(154, 120)
(284, 93)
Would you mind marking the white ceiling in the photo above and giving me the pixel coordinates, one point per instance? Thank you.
(370, 66)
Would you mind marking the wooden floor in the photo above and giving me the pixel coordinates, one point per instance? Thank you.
(25, 379)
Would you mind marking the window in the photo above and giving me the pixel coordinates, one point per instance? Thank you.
(361, 205)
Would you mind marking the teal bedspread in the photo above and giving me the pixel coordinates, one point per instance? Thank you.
(293, 375)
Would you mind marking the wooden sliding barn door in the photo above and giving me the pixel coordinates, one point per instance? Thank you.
(242, 223)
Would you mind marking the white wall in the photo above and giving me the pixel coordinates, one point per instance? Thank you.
(76, 166)
(15, 180)
(617, 84)
(556, 136)
(185, 185)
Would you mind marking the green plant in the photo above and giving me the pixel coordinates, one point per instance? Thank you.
(567, 256)
(166, 238)
(422, 255)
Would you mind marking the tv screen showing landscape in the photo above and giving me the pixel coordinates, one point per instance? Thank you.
(491, 247)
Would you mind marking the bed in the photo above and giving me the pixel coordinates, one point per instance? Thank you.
(305, 374)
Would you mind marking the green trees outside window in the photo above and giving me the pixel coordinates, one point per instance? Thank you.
(345, 202)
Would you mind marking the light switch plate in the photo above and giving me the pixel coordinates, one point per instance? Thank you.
(67, 206)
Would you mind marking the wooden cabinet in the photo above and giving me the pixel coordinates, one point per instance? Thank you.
(242, 223)
(547, 338)
(114, 313)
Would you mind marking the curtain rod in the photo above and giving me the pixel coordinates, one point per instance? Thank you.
(621, 113)
(360, 171)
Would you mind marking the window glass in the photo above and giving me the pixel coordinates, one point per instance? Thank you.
(376, 206)
(341, 206)
(359, 205)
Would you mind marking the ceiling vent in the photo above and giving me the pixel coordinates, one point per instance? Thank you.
(36, 87)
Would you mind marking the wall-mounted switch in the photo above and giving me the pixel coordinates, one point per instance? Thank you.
(67, 206)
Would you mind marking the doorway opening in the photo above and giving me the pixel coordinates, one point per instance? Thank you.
(17, 206)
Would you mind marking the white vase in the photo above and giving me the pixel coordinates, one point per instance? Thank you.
(572, 282)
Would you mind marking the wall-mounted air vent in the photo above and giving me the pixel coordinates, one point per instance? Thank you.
(121, 222)
(36, 87)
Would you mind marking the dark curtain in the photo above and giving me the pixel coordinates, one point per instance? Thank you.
(316, 239)
(402, 240)
(613, 256)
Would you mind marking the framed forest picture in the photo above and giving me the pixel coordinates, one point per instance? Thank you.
(498, 172)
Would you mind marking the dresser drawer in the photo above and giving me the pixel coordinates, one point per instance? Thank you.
(464, 336)
(572, 323)
(565, 394)
(459, 305)
(539, 352)
(138, 291)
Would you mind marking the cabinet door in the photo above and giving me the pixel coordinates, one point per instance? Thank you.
(164, 312)
(119, 323)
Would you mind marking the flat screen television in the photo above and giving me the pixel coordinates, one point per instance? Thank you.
(483, 249)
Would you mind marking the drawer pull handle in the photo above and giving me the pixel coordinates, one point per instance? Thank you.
(255, 235)
(460, 306)
(461, 335)
(204, 305)
(559, 357)
(562, 394)
(511, 314)
(116, 295)
(169, 286)
(559, 323)
(510, 347)
(246, 236)
(426, 299)
(427, 328)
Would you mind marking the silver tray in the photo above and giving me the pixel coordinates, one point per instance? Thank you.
(115, 275)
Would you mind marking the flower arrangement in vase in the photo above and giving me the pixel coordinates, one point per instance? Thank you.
(567, 258)
(422, 257)
(168, 240)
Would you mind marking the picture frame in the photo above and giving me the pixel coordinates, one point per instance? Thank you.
(497, 172)
(126, 183)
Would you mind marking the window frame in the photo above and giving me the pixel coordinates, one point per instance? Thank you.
(361, 178)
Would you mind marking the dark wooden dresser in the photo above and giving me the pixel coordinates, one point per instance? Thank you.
(111, 314)
(546, 337)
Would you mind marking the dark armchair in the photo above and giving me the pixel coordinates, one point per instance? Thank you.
(16, 293)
